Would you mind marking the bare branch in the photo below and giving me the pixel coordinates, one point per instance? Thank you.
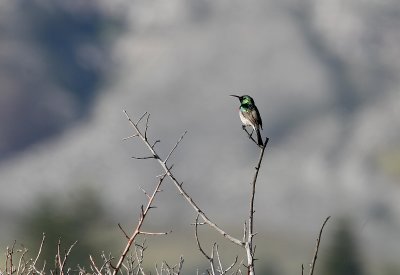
(145, 113)
(180, 189)
(212, 260)
(9, 259)
(198, 241)
(32, 267)
(107, 262)
(312, 265)
(173, 149)
(232, 265)
(250, 135)
(147, 126)
(180, 265)
(22, 266)
(132, 136)
(218, 258)
(144, 191)
(149, 157)
(94, 265)
(61, 263)
(244, 232)
(250, 231)
(58, 257)
(169, 170)
(154, 233)
(136, 232)
(139, 250)
(221, 269)
(155, 142)
(123, 231)
(238, 270)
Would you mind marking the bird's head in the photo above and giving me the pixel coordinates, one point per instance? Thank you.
(245, 99)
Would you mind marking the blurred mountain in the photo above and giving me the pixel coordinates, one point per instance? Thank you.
(324, 74)
(54, 56)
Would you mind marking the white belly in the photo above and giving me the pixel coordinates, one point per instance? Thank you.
(245, 121)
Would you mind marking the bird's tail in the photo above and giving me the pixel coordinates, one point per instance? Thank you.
(259, 138)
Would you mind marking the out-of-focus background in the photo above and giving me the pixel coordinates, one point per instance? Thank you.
(324, 75)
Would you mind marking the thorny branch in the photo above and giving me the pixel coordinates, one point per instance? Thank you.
(178, 185)
(136, 232)
(209, 258)
(247, 242)
(38, 255)
(133, 262)
(250, 249)
(214, 257)
(61, 262)
(170, 270)
(312, 265)
(250, 134)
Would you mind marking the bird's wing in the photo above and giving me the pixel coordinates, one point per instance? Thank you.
(258, 117)
(254, 117)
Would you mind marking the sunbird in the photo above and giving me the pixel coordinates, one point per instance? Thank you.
(249, 115)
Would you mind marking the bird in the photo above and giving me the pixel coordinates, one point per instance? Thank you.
(249, 115)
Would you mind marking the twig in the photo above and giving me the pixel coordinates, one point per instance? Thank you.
(155, 142)
(250, 231)
(173, 149)
(9, 258)
(22, 266)
(137, 123)
(142, 217)
(61, 264)
(238, 270)
(147, 126)
(149, 157)
(180, 265)
(312, 265)
(212, 261)
(123, 231)
(219, 259)
(250, 135)
(198, 241)
(40, 249)
(68, 252)
(32, 267)
(107, 262)
(139, 256)
(247, 242)
(132, 136)
(144, 191)
(154, 233)
(94, 265)
(58, 257)
(244, 232)
(179, 186)
(231, 266)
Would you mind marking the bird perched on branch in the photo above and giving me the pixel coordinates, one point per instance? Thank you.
(249, 115)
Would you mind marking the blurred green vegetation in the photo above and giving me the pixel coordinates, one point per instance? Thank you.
(391, 269)
(389, 162)
(343, 256)
(80, 217)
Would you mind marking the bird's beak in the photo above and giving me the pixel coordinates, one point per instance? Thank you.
(235, 96)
